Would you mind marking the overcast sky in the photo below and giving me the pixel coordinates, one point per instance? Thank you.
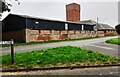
(106, 10)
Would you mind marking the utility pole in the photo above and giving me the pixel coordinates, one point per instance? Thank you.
(97, 25)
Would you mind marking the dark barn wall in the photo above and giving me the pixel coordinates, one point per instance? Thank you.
(13, 23)
(72, 26)
(45, 24)
(13, 28)
(18, 35)
(88, 27)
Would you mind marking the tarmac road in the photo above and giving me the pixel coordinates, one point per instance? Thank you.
(96, 44)
(105, 48)
(82, 71)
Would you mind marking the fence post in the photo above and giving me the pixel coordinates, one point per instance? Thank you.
(12, 51)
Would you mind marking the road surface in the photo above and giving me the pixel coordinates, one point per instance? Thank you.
(105, 48)
(82, 71)
(96, 44)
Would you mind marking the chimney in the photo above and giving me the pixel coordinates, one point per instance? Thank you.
(73, 12)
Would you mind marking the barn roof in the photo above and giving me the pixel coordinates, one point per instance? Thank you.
(100, 26)
(85, 22)
(88, 22)
(33, 17)
(104, 27)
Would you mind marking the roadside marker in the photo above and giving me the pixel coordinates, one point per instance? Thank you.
(12, 48)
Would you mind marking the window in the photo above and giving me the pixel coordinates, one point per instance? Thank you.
(66, 26)
(36, 22)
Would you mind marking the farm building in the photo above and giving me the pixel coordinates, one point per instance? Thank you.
(27, 28)
(107, 29)
(17, 26)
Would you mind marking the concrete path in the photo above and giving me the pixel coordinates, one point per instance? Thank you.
(82, 71)
(89, 44)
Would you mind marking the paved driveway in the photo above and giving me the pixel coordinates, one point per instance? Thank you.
(93, 44)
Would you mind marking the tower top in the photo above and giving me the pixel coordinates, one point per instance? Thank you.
(72, 6)
(73, 12)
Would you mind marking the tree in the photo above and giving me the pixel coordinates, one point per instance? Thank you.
(5, 5)
(118, 28)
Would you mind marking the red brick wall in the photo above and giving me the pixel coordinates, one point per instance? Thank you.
(28, 35)
(73, 12)
(110, 32)
(100, 33)
(44, 35)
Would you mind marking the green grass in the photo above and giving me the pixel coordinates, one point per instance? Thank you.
(114, 41)
(60, 56)
(49, 41)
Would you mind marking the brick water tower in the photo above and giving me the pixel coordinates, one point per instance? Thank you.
(73, 12)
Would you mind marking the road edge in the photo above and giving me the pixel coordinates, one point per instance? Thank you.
(57, 68)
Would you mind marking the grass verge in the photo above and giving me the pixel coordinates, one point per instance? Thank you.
(114, 41)
(60, 56)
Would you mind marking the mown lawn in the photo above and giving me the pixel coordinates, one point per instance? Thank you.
(114, 41)
(60, 56)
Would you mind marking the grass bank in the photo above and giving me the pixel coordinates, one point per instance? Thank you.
(60, 56)
(114, 41)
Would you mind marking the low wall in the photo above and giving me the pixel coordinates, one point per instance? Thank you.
(28, 35)
(100, 33)
(45, 35)
(108, 33)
